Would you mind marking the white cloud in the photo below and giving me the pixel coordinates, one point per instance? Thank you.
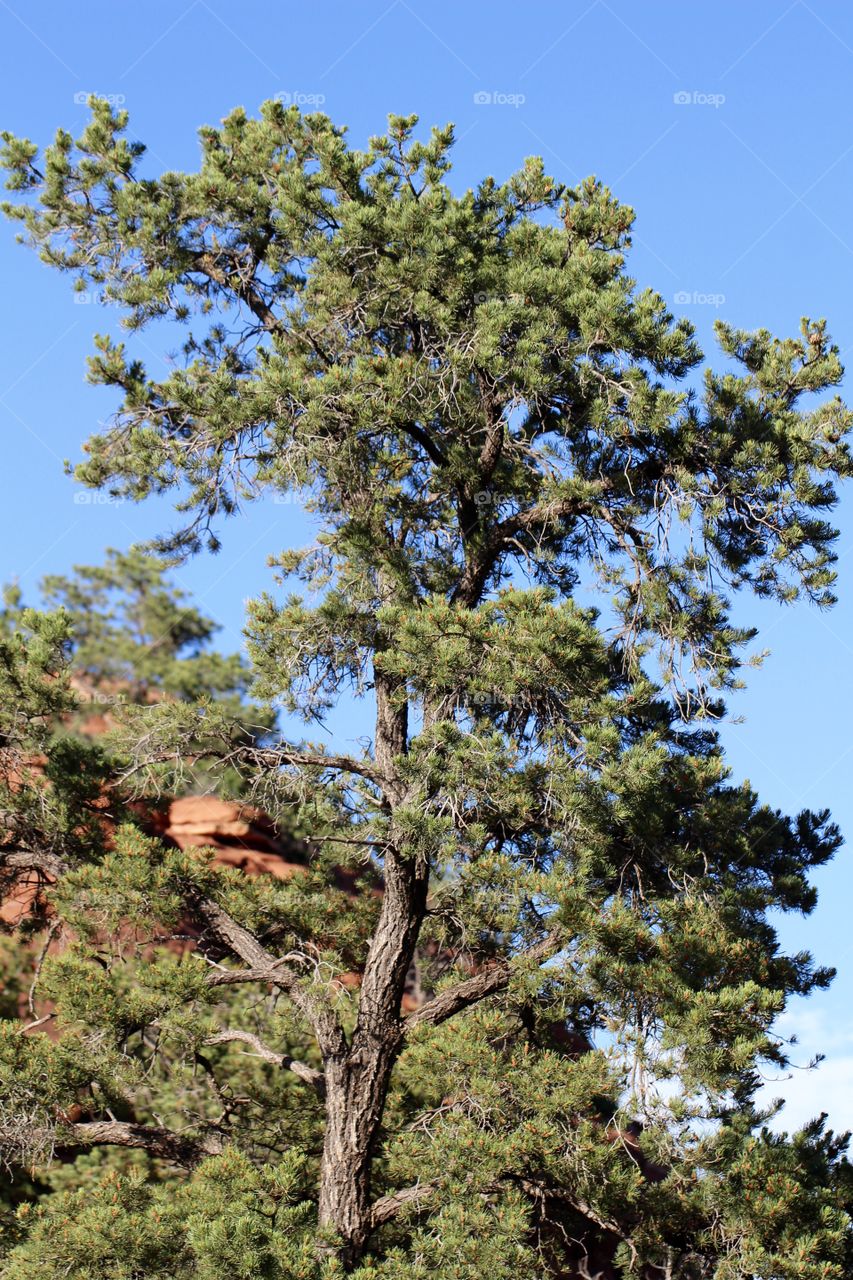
(827, 1087)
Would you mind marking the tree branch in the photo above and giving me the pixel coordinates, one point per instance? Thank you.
(315, 1078)
(486, 983)
(533, 520)
(328, 1031)
(263, 966)
(207, 265)
(233, 977)
(49, 864)
(540, 1189)
(389, 1206)
(270, 757)
(159, 1141)
(343, 763)
(425, 440)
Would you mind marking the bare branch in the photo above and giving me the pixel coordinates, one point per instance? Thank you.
(159, 1141)
(486, 983)
(241, 288)
(315, 1078)
(269, 757)
(54, 928)
(540, 1189)
(48, 864)
(389, 1206)
(327, 1029)
(234, 977)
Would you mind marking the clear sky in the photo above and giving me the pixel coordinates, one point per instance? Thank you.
(725, 124)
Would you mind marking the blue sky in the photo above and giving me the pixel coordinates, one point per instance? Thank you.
(726, 125)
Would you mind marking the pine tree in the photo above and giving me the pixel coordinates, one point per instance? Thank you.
(134, 640)
(489, 420)
(135, 630)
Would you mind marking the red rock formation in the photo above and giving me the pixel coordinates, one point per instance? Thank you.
(242, 836)
(17, 900)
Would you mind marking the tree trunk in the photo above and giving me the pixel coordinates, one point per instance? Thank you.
(351, 1120)
(357, 1080)
(357, 1083)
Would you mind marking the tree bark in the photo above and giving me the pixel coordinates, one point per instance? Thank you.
(357, 1080)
